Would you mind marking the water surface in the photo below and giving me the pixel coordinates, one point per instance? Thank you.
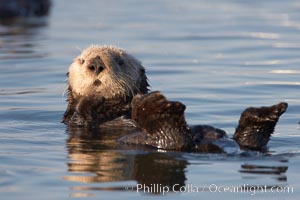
(217, 57)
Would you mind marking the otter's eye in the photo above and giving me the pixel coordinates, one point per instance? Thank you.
(81, 61)
(120, 61)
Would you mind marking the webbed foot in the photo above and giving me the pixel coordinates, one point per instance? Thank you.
(256, 126)
(161, 122)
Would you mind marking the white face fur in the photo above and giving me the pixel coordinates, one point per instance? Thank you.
(104, 71)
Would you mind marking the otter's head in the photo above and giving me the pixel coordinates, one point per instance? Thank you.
(106, 71)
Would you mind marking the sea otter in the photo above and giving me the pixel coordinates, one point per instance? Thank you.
(108, 87)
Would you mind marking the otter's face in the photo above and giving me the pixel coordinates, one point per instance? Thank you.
(104, 71)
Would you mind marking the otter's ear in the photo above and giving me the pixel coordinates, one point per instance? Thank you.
(67, 74)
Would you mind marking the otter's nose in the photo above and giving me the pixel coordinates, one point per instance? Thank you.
(95, 68)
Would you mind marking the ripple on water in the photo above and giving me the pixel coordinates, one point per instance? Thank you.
(216, 57)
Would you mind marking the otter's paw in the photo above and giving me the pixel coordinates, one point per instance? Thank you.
(161, 121)
(85, 112)
(256, 126)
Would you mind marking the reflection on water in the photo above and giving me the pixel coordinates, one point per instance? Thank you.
(98, 158)
(217, 57)
(260, 169)
(102, 160)
(278, 172)
(87, 153)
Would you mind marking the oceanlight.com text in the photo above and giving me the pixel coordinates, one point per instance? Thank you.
(213, 188)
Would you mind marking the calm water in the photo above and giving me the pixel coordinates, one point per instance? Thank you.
(217, 57)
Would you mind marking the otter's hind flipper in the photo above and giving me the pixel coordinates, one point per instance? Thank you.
(256, 126)
(162, 123)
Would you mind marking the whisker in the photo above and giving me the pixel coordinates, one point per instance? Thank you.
(78, 48)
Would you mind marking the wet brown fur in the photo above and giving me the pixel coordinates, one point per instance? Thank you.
(108, 88)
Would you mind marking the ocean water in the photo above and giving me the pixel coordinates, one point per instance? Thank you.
(217, 57)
